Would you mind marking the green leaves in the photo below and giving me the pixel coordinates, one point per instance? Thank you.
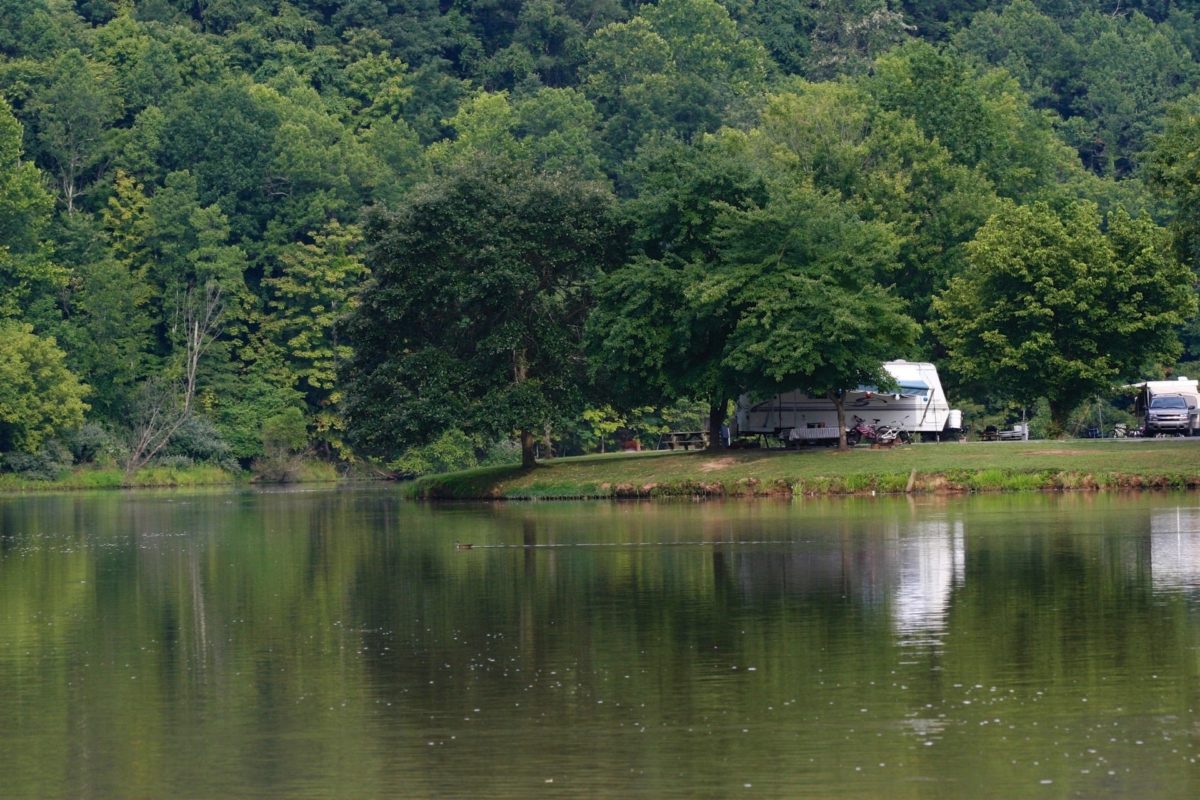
(75, 110)
(983, 120)
(553, 130)
(27, 274)
(1054, 307)
(309, 302)
(811, 314)
(1173, 169)
(766, 283)
(680, 66)
(39, 396)
(473, 321)
(238, 143)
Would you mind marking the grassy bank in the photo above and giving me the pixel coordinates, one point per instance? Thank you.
(922, 468)
(155, 477)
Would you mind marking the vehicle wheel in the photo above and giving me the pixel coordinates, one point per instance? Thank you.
(905, 437)
(853, 438)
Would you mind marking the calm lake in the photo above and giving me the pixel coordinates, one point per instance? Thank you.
(337, 643)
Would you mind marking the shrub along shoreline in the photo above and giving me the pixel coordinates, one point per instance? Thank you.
(950, 468)
(1080, 465)
(158, 477)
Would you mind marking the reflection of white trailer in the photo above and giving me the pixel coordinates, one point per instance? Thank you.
(1175, 549)
(918, 406)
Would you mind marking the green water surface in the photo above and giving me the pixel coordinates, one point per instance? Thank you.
(337, 643)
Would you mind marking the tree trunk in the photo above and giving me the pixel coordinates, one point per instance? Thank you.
(1059, 415)
(520, 373)
(68, 187)
(839, 403)
(716, 416)
(164, 413)
(549, 443)
(528, 459)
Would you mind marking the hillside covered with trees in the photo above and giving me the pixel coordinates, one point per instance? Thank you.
(429, 233)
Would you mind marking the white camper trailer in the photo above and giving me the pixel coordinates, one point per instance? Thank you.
(1169, 407)
(918, 405)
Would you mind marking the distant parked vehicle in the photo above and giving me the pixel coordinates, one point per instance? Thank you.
(1169, 408)
(1019, 430)
(1168, 414)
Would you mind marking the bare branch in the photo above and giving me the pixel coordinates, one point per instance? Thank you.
(165, 407)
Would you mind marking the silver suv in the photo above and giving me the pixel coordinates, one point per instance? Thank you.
(1168, 414)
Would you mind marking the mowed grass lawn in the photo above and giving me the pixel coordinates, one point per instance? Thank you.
(958, 466)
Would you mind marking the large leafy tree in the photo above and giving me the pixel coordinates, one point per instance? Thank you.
(224, 136)
(474, 316)
(146, 69)
(547, 46)
(983, 120)
(883, 165)
(1108, 75)
(551, 129)
(310, 298)
(31, 27)
(27, 275)
(276, 164)
(800, 272)
(752, 279)
(74, 111)
(1173, 170)
(1032, 46)
(109, 332)
(847, 35)
(680, 66)
(1054, 306)
(1131, 69)
(655, 335)
(39, 396)
(935, 18)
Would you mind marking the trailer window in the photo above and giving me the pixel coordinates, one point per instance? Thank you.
(915, 387)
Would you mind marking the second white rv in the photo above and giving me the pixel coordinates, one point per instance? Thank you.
(1169, 407)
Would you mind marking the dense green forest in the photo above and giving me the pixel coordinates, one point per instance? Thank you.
(231, 232)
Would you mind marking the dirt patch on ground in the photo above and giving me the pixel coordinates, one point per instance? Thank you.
(718, 463)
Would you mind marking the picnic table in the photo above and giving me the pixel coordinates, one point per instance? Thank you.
(674, 440)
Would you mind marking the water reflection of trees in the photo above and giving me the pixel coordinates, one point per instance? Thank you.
(175, 621)
(180, 614)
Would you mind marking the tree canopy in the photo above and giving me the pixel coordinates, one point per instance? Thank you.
(1055, 306)
(474, 316)
(39, 396)
(761, 176)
